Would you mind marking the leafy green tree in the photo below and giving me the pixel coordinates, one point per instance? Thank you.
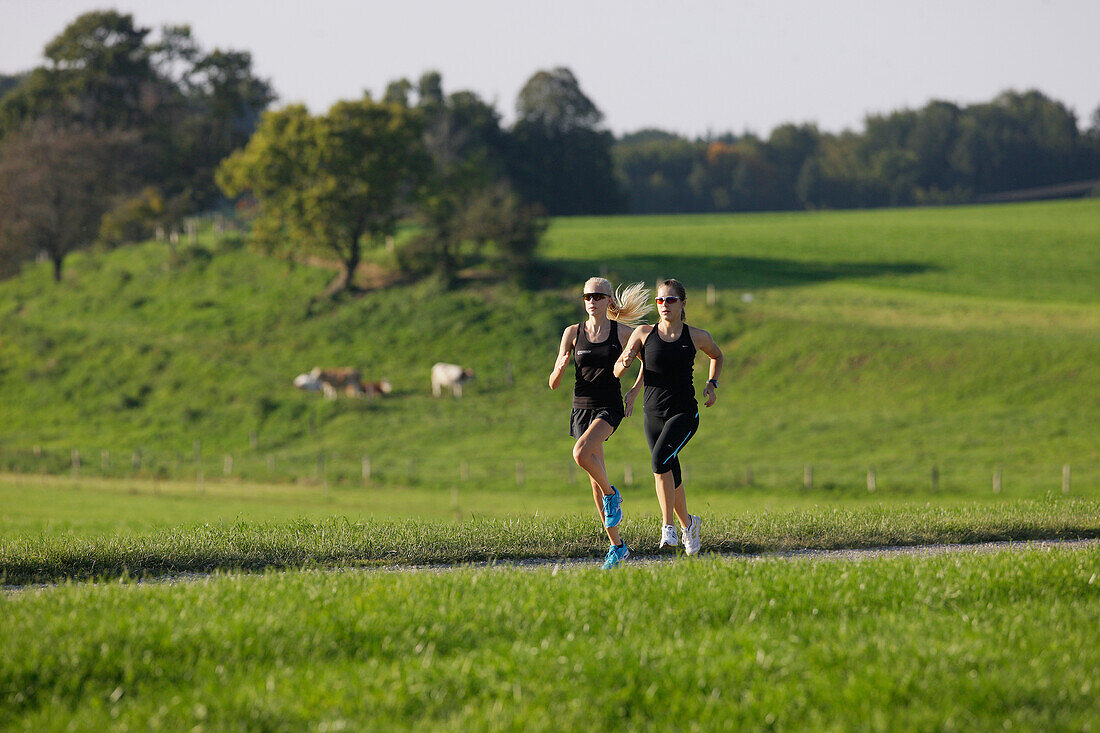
(560, 158)
(56, 182)
(397, 92)
(191, 108)
(506, 229)
(462, 134)
(553, 100)
(330, 184)
(9, 82)
(660, 172)
(98, 72)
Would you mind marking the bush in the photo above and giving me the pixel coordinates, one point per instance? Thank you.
(134, 220)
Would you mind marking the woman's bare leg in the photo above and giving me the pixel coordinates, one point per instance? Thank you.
(666, 495)
(588, 453)
(680, 506)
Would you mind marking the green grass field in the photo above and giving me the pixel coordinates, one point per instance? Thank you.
(955, 338)
(964, 341)
(1001, 641)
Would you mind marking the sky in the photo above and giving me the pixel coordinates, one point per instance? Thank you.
(693, 66)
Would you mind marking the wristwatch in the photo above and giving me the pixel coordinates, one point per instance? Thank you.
(714, 382)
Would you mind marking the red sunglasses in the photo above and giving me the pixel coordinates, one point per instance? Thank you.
(595, 296)
(670, 299)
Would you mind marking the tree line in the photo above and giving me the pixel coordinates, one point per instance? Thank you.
(941, 153)
(123, 130)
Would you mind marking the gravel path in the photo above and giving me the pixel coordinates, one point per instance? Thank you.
(558, 563)
(868, 553)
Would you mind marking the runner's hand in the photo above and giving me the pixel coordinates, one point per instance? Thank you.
(628, 402)
(711, 395)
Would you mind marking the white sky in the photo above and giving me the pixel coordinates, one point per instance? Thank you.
(689, 66)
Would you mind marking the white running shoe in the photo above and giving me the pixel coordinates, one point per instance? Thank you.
(691, 536)
(668, 536)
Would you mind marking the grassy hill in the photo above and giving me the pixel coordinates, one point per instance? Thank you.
(960, 338)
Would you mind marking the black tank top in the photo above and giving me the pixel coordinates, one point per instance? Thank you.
(668, 367)
(596, 386)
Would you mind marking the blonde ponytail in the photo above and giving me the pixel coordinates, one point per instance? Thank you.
(630, 304)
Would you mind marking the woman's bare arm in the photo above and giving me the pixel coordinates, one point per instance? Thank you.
(705, 343)
(568, 341)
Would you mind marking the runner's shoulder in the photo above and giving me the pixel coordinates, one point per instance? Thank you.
(698, 335)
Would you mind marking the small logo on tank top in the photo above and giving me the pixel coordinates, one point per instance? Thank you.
(585, 351)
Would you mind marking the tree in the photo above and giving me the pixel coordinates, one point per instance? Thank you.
(9, 82)
(559, 157)
(332, 183)
(99, 73)
(553, 101)
(190, 107)
(56, 182)
(468, 212)
(219, 107)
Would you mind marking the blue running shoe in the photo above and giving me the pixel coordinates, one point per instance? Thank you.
(612, 508)
(615, 555)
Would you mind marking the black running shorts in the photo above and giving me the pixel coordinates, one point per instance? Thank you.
(581, 419)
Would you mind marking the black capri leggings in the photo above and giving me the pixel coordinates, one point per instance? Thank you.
(666, 436)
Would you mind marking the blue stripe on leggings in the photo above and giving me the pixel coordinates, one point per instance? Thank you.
(681, 444)
(679, 447)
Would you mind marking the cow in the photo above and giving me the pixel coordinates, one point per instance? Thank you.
(449, 375)
(373, 389)
(332, 381)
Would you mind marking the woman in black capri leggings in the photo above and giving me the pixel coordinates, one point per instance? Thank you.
(671, 413)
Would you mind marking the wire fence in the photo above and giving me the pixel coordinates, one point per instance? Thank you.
(345, 469)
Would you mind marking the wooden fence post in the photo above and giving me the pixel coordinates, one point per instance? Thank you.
(872, 483)
(105, 459)
(997, 480)
(76, 462)
(464, 472)
(628, 475)
(135, 460)
(1065, 478)
(808, 477)
(271, 463)
(366, 468)
(227, 468)
(711, 297)
(935, 478)
(748, 476)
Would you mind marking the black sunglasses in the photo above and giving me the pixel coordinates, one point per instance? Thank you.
(595, 296)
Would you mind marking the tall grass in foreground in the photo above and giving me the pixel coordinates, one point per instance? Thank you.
(1002, 641)
(342, 543)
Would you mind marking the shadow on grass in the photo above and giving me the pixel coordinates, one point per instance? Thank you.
(336, 543)
(737, 273)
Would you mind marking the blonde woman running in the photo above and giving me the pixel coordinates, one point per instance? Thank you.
(671, 414)
(598, 406)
